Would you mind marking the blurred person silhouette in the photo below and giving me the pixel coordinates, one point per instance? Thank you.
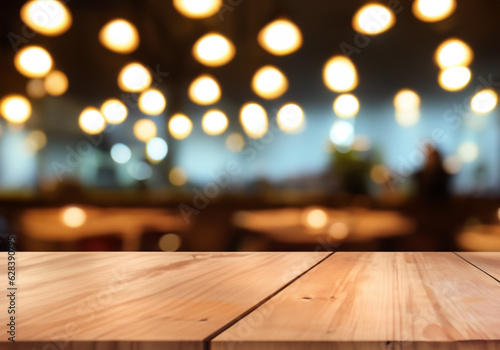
(433, 180)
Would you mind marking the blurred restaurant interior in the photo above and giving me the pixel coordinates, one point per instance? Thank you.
(246, 125)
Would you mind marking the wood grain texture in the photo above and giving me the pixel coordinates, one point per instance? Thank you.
(486, 261)
(141, 301)
(377, 301)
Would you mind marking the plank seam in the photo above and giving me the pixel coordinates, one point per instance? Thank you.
(207, 341)
(477, 267)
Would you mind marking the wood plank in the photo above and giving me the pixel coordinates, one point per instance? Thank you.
(377, 301)
(486, 261)
(141, 301)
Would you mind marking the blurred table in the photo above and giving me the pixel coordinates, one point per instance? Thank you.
(293, 225)
(127, 223)
(245, 301)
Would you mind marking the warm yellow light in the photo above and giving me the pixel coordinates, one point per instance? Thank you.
(433, 10)
(291, 118)
(452, 53)
(36, 140)
(56, 83)
(468, 151)
(269, 82)
(204, 90)
(35, 88)
(180, 126)
(373, 19)
(339, 74)
(152, 102)
(213, 50)
(280, 37)
(120, 36)
(73, 216)
(454, 78)
(338, 230)
(114, 111)
(314, 218)
(484, 101)
(134, 77)
(407, 118)
(177, 177)
(406, 99)
(170, 242)
(379, 174)
(144, 130)
(47, 17)
(33, 62)
(214, 122)
(91, 121)
(197, 8)
(15, 108)
(253, 118)
(235, 142)
(346, 106)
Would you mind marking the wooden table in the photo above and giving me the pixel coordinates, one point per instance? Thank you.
(309, 300)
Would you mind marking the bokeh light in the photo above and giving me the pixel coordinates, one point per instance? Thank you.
(253, 118)
(56, 83)
(33, 62)
(197, 8)
(36, 140)
(340, 75)
(269, 82)
(484, 101)
(156, 149)
(114, 111)
(468, 152)
(170, 242)
(214, 122)
(314, 218)
(407, 118)
(280, 37)
(452, 53)
(119, 35)
(204, 90)
(235, 142)
(452, 164)
(120, 153)
(362, 143)
(15, 108)
(177, 176)
(152, 102)
(454, 78)
(433, 10)
(346, 106)
(92, 121)
(140, 171)
(35, 88)
(291, 118)
(180, 126)
(373, 19)
(342, 133)
(379, 174)
(144, 130)
(47, 17)
(407, 107)
(213, 50)
(73, 216)
(338, 230)
(134, 77)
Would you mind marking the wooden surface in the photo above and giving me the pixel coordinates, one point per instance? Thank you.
(373, 300)
(140, 300)
(486, 261)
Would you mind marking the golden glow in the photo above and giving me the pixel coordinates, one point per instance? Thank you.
(253, 118)
(214, 122)
(314, 218)
(484, 101)
(56, 83)
(338, 230)
(452, 53)
(280, 37)
(152, 102)
(73, 216)
(406, 99)
(91, 121)
(33, 62)
(407, 118)
(120, 36)
(433, 10)
(454, 78)
(144, 130)
(170, 242)
(180, 126)
(235, 142)
(114, 111)
(269, 82)
(339, 74)
(373, 19)
(468, 151)
(47, 17)
(204, 90)
(379, 174)
(197, 8)
(15, 108)
(134, 77)
(346, 106)
(36, 140)
(177, 177)
(291, 118)
(35, 88)
(213, 50)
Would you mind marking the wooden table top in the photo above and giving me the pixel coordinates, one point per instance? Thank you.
(309, 300)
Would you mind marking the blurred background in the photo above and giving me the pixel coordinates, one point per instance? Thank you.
(231, 125)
